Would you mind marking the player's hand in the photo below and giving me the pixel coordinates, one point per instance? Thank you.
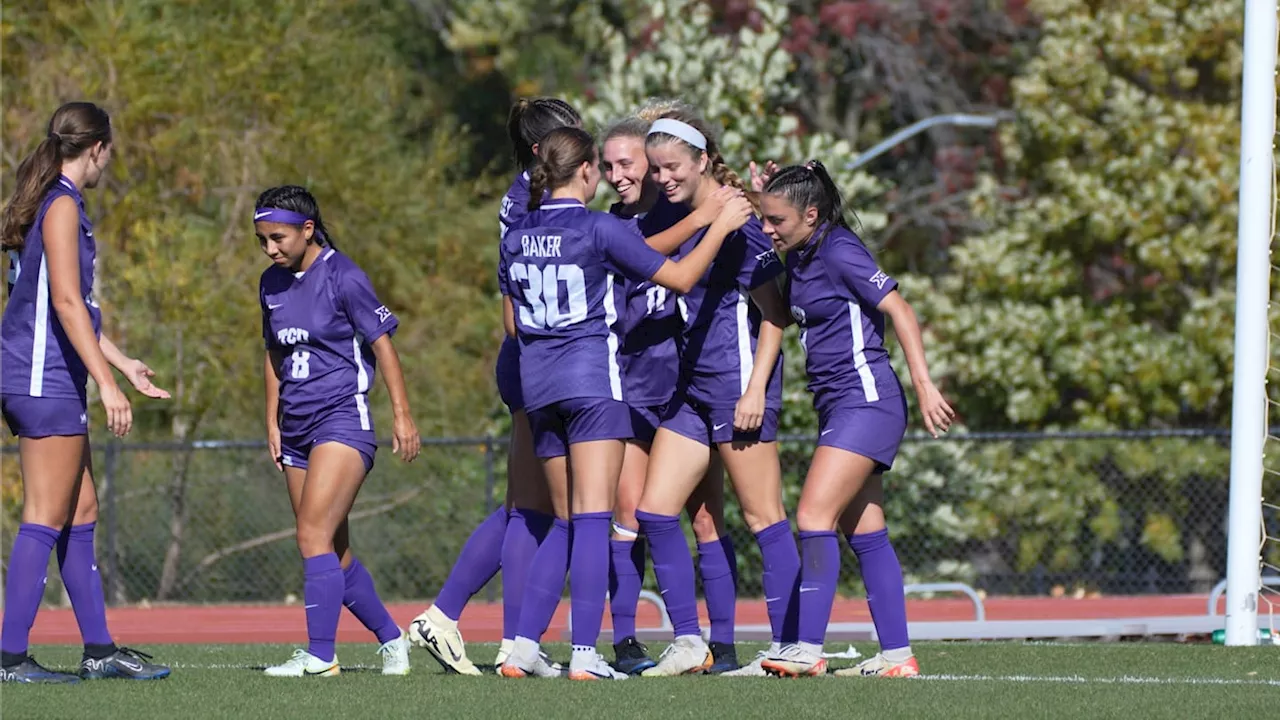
(405, 440)
(938, 415)
(748, 414)
(140, 375)
(119, 412)
(273, 445)
(760, 177)
(711, 208)
(735, 214)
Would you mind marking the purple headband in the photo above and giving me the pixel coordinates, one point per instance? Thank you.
(288, 217)
(278, 215)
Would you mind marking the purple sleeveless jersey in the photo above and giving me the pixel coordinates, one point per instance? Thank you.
(559, 266)
(833, 294)
(722, 325)
(38, 358)
(322, 323)
(651, 321)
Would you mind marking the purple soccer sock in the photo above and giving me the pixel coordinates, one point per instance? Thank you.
(80, 576)
(626, 576)
(781, 559)
(718, 566)
(479, 561)
(361, 598)
(882, 575)
(589, 570)
(545, 584)
(819, 573)
(24, 585)
(322, 593)
(526, 529)
(673, 567)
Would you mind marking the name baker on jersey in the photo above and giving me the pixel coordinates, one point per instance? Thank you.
(292, 336)
(540, 245)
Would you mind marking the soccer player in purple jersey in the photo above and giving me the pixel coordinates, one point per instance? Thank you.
(51, 343)
(729, 398)
(509, 537)
(558, 268)
(839, 297)
(326, 332)
(650, 370)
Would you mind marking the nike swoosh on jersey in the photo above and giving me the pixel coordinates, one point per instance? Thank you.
(721, 425)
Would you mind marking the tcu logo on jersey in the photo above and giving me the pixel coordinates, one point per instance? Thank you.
(383, 313)
(768, 257)
(879, 279)
(292, 336)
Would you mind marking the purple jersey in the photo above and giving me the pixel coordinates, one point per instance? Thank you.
(322, 323)
(515, 205)
(38, 358)
(833, 294)
(558, 265)
(651, 322)
(722, 325)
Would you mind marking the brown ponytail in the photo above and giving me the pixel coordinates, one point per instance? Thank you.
(74, 129)
(560, 154)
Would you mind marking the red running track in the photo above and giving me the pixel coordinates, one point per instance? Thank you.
(482, 622)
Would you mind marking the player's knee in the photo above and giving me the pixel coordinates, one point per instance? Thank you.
(760, 515)
(706, 526)
(313, 540)
(86, 510)
(812, 517)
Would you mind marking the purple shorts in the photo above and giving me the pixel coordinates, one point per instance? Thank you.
(645, 421)
(38, 417)
(508, 375)
(711, 426)
(343, 427)
(559, 425)
(872, 430)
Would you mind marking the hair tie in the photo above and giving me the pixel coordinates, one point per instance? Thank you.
(55, 136)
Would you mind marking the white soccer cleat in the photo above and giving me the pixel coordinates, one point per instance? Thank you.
(794, 661)
(755, 669)
(592, 666)
(687, 655)
(434, 632)
(395, 655)
(539, 668)
(304, 664)
(878, 666)
(504, 652)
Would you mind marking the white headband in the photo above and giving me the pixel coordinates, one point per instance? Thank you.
(682, 130)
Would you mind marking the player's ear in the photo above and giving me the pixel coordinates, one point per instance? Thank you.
(308, 231)
(811, 215)
(534, 148)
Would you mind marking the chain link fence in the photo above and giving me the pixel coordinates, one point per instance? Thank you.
(1008, 513)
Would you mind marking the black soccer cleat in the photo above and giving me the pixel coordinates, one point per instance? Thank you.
(724, 658)
(631, 657)
(30, 671)
(124, 664)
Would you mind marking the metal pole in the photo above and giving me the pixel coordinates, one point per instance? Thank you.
(960, 119)
(1253, 276)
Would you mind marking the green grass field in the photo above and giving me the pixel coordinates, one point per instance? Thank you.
(965, 680)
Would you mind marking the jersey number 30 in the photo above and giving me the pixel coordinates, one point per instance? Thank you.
(541, 289)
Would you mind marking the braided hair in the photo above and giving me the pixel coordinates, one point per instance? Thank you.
(297, 199)
(810, 185)
(530, 121)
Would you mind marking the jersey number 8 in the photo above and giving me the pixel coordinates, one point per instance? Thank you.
(300, 368)
(541, 289)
